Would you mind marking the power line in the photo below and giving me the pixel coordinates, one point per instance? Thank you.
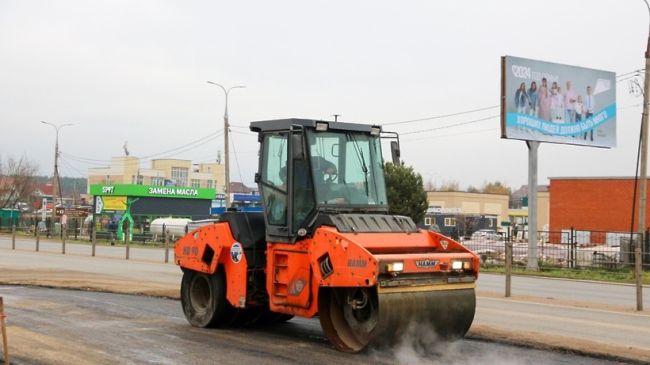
(444, 115)
(452, 125)
(202, 139)
(241, 179)
(176, 150)
(453, 134)
(69, 165)
(631, 72)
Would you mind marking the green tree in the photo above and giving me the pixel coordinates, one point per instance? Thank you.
(406, 195)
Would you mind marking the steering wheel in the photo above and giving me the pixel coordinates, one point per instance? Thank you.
(329, 177)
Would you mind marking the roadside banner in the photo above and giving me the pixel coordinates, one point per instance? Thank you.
(113, 202)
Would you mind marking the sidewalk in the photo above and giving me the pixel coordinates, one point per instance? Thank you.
(560, 315)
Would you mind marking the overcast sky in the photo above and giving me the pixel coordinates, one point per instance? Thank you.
(136, 71)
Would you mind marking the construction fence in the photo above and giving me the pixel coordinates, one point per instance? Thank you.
(566, 249)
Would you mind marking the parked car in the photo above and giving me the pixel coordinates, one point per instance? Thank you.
(487, 234)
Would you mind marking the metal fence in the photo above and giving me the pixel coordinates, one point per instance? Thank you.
(77, 230)
(570, 249)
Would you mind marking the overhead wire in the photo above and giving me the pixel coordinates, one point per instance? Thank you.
(452, 125)
(443, 115)
(234, 150)
(453, 134)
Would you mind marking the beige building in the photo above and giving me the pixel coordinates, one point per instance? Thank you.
(128, 170)
(471, 203)
(520, 216)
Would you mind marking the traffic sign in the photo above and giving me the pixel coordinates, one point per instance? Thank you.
(99, 205)
(71, 212)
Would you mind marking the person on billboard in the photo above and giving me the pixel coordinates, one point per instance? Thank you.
(521, 99)
(533, 100)
(589, 107)
(578, 108)
(544, 108)
(557, 104)
(544, 104)
(569, 103)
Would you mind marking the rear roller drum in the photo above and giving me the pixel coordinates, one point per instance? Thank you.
(203, 298)
(348, 316)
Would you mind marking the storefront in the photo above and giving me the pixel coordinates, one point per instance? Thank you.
(116, 204)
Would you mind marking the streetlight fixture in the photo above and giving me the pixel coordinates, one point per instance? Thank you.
(56, 185)
(226, 129)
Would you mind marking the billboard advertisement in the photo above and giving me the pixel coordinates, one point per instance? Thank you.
(550, 102)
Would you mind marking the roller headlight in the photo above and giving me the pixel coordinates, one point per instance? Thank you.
(456, 265)
(395, 267)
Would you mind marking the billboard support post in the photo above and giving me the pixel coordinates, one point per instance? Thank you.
(533, 146)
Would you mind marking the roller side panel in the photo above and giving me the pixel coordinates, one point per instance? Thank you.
(206, 248)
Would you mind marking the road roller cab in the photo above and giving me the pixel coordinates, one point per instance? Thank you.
(326, 245)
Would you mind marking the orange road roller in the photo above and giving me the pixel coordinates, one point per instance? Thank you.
(325, 245)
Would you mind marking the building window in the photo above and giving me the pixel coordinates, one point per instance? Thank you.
(137, 179)
(179, 175)
(427, 221)
(158, 181)
(196, 183)
(210, 184)
(450, 222)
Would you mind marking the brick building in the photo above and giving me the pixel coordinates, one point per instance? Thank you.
(592, 203)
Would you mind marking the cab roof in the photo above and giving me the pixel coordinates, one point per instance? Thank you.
(285, 124)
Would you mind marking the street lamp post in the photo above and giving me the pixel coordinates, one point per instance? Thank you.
(56, 184)
(226, 129)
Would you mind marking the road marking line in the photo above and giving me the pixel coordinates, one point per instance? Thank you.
(565, 319)
(644, 314)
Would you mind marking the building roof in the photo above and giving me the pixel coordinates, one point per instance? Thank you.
(592, 178)
(239, 188)
(46, 189)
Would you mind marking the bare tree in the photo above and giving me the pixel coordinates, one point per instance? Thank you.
(17, 181)
(450, 185)
(496, 187)
(429, 185)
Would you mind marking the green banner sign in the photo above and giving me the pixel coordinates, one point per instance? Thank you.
(152, 191)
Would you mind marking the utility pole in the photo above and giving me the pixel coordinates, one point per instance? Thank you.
(226, 130)
(56, 184)
(643, 178)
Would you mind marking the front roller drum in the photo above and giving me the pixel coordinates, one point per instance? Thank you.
(447, 313)
(352, 318)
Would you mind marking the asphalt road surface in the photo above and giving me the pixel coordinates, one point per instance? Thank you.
(68, 326)
(602, 293)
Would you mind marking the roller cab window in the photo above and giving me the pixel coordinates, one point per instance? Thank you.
(347, 169)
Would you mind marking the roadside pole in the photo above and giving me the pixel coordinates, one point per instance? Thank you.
(508, 265)
(13, 237)
(126, 239)
(38, 237)
(63, 234)
(166, 233)
(93, 238)
(3, 326)
(643, 174)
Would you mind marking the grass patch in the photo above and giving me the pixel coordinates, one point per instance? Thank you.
(613, 276)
